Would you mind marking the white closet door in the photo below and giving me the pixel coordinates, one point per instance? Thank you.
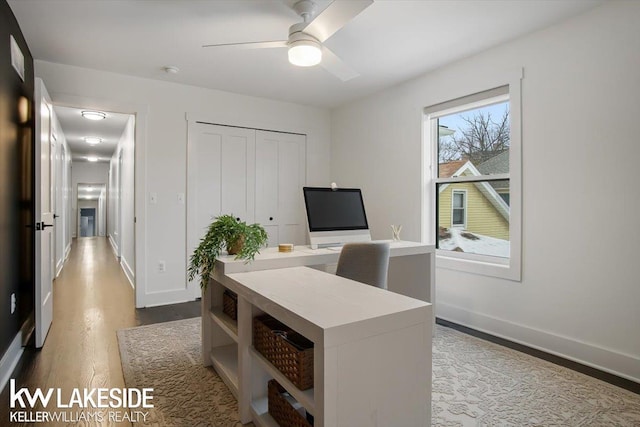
(280, 176)
(220, 178)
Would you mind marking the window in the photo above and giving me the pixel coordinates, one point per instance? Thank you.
(458, 208)
(474, 150)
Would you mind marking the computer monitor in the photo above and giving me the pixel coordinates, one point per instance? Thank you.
(335, 216)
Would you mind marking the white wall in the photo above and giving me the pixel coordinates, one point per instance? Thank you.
(165, 154)
(121, 198)
(86, 173)
(579, 293)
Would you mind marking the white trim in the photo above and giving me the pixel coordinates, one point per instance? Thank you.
(114, 246)
(128, 272)
(474, 178)
(470, 106)
(463, 262)
(10, 359)
(59, 265)
(464, 207)
(140, 176)
(607, 360)
(155, 299)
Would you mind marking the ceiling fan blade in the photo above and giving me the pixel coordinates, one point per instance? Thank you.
(337, 66)
(250, 45)
(334, 17)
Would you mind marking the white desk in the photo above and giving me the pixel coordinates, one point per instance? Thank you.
(411, 265)
(372, 348)
(344, 319)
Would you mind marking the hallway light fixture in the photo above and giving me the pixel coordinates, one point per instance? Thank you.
(92, 158)
(94, 115)
(92, 140)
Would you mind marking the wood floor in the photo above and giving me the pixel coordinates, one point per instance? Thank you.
(92, 300)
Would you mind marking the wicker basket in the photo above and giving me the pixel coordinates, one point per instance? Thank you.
(230, 304)
(288, 351)
(281, 410)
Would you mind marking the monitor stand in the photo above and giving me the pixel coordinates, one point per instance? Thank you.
(323, 239)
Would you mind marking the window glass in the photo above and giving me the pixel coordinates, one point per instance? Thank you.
(478, 137)
(473, 218)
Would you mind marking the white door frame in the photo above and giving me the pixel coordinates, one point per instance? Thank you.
(140, 111)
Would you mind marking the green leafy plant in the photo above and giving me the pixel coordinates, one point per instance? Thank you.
(225, 232)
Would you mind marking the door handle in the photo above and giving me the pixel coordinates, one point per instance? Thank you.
(46, 225)
(56, 216)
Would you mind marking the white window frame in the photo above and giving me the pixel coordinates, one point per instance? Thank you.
(506, 268)
(464, 208)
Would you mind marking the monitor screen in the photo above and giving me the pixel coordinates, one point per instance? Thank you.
(332, 210)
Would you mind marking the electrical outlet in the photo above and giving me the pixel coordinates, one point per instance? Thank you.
(13, 303)
(162, 267)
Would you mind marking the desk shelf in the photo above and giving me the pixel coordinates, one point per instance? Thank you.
(225, 362)
(260, 413)
(226, 323)
(305, 397)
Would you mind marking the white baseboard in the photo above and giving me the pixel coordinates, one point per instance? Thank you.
(59, 266)
(67, 251)
(607, 360)
(10, 359)
(128, 271)
(114, 246)
(155, 299)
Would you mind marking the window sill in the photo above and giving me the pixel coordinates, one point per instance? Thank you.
(477, 264)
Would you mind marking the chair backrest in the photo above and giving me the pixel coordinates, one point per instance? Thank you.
(365, 262)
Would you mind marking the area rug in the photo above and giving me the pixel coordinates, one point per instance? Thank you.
(478, 383)
(475, 383)
(167, 358)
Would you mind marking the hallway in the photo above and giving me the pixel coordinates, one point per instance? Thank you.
(92, 299)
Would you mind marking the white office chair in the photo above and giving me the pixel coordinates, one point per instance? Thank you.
(365, 262)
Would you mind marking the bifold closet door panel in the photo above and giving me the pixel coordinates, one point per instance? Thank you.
(221, 171)
(280, 176)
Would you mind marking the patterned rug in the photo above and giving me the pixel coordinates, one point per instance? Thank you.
(475, 383)
(167, 357)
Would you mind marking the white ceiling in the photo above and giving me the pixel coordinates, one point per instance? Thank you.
(391, 41)
(75, 128)
(90, 191)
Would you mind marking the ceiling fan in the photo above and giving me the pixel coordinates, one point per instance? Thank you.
(306, 37)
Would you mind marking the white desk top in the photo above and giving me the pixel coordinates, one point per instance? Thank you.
(326, 308)
(270, 258)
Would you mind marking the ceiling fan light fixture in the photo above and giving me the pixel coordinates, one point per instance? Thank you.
(305, 53)
(94, 115)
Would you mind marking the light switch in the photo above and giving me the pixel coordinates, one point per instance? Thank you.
(153, 198)
(181, 198)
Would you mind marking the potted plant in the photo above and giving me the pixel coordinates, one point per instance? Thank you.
(228, 233)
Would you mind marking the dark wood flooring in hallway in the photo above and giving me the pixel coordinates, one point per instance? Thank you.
(92, 300)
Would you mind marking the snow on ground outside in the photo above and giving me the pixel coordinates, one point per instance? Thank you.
(484, 245)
